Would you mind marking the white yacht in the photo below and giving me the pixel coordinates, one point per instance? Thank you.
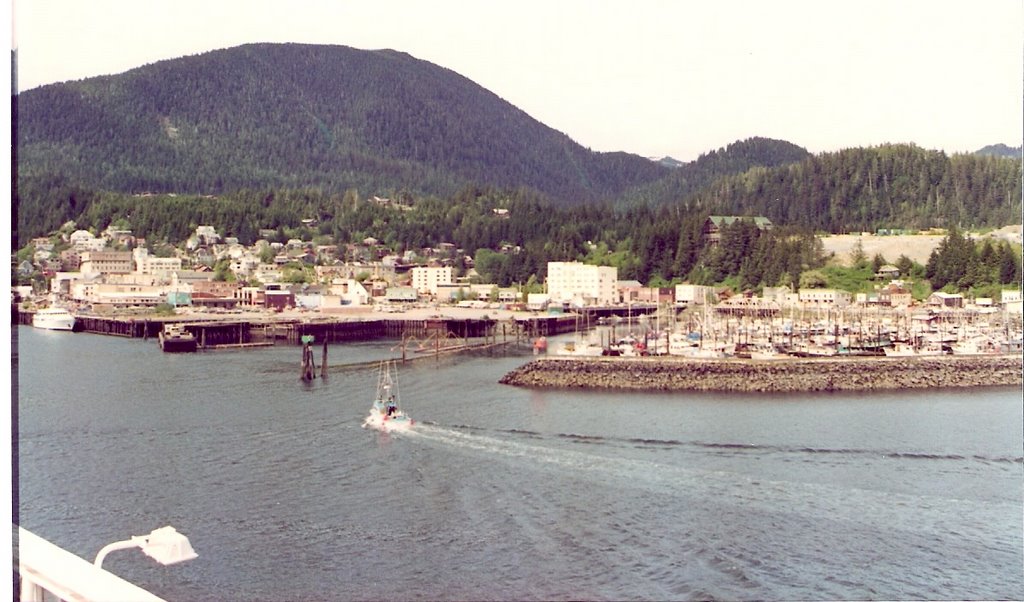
(53, 318)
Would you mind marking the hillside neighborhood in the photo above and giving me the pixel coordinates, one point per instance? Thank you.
(114, 272)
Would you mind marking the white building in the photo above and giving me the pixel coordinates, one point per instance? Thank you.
(537, 301)
(1011, 301)
(824, 297)
(118, 294)
(83, 240)
(426, 280)
(345, 293)
(694, 294)
(245, 264)
(582, 284)
(164, 267)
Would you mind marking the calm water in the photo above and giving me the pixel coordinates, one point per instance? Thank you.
(506, 493)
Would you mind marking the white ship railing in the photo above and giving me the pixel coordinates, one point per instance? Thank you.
(45, 567)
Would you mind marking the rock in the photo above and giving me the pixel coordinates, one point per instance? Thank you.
(778, 376)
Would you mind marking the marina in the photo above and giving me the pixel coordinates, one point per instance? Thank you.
(621, 331)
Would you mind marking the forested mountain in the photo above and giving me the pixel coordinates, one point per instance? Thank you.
(281, 132)
(738, 157)
(888, 186)
(1000, 150)
(301, 116)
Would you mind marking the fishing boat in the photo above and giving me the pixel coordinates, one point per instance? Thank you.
(175, 339)
(53, 318)
(766, 353)
(386, 412)
(581, 348)
(901, 349)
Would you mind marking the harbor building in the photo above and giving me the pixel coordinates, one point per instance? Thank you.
(582, 284)
(694, 294)
(824, 297)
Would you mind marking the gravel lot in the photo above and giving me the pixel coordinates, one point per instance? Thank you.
(916, 247)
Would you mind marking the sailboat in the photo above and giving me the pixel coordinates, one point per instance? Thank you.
(386, 412)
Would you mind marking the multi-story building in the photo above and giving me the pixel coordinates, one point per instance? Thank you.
(70, 260)
(574, 282)
(895, 295)
(106, 262)
(163, 267)
(426, 280)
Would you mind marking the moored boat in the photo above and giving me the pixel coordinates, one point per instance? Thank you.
(899, 349)
(581, 347)
(766, 353)
(53, 318)
(175, 339)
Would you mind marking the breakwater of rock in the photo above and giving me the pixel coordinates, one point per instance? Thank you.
(775, 376)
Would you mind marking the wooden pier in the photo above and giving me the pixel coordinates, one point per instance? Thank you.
(240, 333)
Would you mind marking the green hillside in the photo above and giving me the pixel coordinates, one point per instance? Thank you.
(892, 186)
(302, 116)
(689, 178)
(280, 132)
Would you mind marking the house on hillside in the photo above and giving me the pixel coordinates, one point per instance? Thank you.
(714, 224)
(887, 271)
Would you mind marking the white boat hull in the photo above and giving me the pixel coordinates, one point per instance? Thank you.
(386, 413)
(388, 424)
(53, 320)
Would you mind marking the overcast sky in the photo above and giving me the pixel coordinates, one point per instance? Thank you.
(649, 77)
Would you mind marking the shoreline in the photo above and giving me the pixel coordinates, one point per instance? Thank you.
(772, 376)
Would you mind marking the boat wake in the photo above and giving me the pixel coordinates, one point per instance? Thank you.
(510, 442)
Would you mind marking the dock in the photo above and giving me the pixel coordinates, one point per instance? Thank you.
(225, 332)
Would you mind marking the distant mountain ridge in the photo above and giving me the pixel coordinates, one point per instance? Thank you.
(330, 120)
(1000, 150)
(668, 161)
(291, 115)
(689, 178)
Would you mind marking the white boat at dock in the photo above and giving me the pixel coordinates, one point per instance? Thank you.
(53, 318)
(974, 346)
